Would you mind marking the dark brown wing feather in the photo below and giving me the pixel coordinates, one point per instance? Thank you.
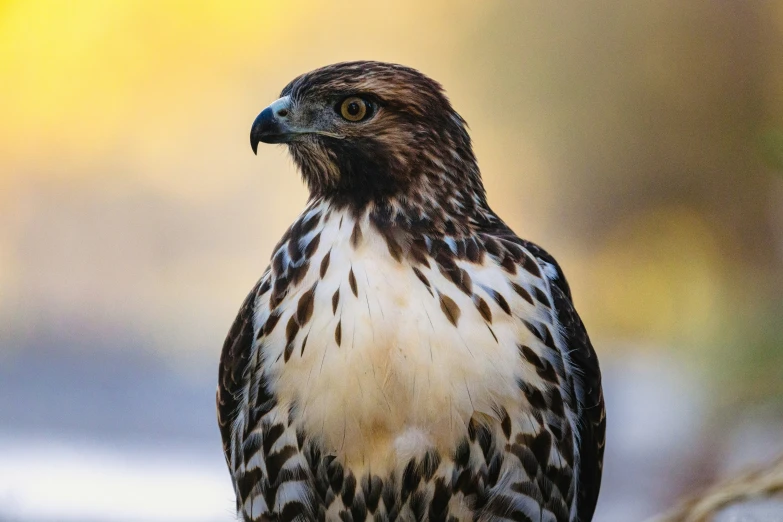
(233, 366)
(592, 413)
(592, 416)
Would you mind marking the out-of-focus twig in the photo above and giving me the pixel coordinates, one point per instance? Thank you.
(761, 483)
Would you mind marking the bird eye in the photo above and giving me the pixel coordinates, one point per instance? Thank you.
(354, 108)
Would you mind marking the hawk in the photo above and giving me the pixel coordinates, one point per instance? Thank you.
(405, 356)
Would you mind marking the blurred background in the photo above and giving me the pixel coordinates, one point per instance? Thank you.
(641, 143)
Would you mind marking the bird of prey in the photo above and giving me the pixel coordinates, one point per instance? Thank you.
(405, 356)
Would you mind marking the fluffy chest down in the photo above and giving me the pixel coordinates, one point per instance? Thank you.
(382, 360)
(396, 377)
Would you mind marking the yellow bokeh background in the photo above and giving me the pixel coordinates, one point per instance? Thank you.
(640, 143)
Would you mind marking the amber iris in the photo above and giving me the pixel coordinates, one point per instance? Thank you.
(353, 109)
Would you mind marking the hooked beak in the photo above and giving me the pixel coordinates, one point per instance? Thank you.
(271, 126)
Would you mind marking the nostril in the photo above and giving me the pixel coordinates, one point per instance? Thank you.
(282, 113)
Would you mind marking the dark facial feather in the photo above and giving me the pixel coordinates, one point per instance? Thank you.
(413, 154)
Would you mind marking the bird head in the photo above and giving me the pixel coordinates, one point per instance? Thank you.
(373, 133)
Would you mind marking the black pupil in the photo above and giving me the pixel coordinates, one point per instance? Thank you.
(353, 108)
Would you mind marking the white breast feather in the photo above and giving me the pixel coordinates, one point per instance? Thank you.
(404, 379)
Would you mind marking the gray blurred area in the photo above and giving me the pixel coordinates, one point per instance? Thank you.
(640, 143)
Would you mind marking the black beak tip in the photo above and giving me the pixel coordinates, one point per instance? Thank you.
(265, 128)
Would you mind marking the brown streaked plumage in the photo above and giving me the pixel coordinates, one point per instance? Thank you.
(447, 376)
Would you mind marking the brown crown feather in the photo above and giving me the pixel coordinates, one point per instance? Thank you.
(414, 155)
